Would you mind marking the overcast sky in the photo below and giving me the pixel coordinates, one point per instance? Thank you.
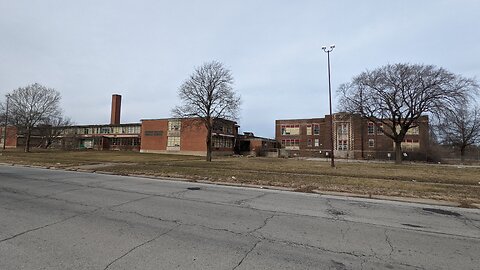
(144, 50)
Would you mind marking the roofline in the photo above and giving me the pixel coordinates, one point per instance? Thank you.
(105, 125)
(181, 118)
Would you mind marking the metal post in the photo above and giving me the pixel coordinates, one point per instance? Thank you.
(6, 123)
(330, 104)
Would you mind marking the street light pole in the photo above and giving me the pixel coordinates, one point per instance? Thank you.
(5, 127)
(324, 48)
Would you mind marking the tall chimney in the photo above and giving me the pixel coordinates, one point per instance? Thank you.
(116, 105)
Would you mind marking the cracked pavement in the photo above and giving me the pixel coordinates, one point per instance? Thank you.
(69, 220)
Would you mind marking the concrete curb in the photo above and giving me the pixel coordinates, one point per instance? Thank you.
(319, 192)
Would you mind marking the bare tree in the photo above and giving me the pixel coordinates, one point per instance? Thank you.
(460, 127)
(51, 128)
(31, 105)
(395, 96)
(208, 95)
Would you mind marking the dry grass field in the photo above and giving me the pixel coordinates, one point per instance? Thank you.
(459, 184)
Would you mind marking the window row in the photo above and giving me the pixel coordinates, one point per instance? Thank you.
(222, 142)
(295, 129)
(125, 141)
(103, 130)
(222, 127)
(371, 128)
(295, 142)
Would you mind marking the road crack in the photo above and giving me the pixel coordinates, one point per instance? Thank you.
(41, 227)
(387, 239)
(246, 255)
(243, 201)
(263, 225)
(140, 245)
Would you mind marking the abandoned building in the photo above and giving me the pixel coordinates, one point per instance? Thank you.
(187, 136)
(169, 135)
(355, 137)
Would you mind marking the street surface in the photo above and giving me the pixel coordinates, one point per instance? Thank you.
(70, 220)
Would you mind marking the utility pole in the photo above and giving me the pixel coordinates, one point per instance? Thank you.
(324, 48)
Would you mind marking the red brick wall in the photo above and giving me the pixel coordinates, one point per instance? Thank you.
(361, 149)
(305, 150)
(154, 142)
(193, 135)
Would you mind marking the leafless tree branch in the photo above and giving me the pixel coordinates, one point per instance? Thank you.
(208, 94)
(397, 95)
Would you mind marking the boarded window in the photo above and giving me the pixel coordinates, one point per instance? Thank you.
(309, 129)
(290, 129)
(153, 133)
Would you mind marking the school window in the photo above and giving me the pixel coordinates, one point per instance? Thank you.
(342, 128)
(410, 131)
(342, 145)
(133, 129)
(105, 130)
(174, 125)
(413, 131)
(309, 129)
(173, 141)
(371, 128)
(290, 142)
(371, 143)
(317, 142)
(290, 129)
(136, 141)
(309, 142)
(380, 129)
(222, 142)
(316, 129)
(410, 144)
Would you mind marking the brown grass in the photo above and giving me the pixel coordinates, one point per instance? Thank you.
(453, 183)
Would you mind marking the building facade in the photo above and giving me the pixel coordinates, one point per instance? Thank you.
(251, 145)
(187, 136)
(100, 137)
(354, 137)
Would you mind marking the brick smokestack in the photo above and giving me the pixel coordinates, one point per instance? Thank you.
(116, 106)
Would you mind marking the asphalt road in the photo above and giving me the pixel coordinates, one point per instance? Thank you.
(69, 220)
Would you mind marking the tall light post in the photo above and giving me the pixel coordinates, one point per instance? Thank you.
(324, 48)
(6, 123)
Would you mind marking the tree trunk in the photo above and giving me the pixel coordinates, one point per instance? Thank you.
(209, 144)
(462, 153)
(27, 140)
(398, 152)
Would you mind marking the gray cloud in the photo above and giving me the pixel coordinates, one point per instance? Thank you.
(145, 49)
